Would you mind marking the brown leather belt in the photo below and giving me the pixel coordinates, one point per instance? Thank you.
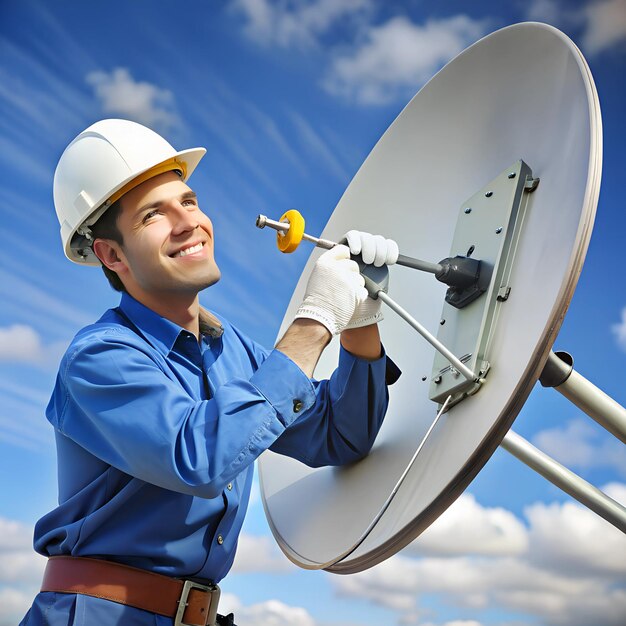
(186, 602)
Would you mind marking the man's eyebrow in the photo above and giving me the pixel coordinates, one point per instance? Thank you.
(188, 195)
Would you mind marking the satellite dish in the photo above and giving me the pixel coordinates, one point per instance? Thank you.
(517, 106)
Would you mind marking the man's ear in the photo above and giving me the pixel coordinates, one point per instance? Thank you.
(111, 255)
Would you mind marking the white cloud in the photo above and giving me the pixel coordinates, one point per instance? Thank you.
(397, 57)
(456, 622)
(18, 561)
(619, 330)
(581, 444)
(468, 528)
(268, 613)
(14, 535)
(572, 572)
(21, 570)
(23, 343)
(19, 343)
(13, 605)
(296, 23)
(475, 584)
(617, 491)
(374, 63)
(120, 94)
(259, 554)
(565, 538)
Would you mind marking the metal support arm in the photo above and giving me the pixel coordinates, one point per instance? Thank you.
(566, 480)
(559, 373)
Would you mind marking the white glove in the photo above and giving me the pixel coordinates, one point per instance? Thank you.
(334, 290)
(372, 248)
(379, 251)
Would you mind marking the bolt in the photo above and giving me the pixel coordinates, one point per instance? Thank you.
(512, 175)
(489, 194)
(437, 380)
(468, 210)
(442, 322)
(498, 230)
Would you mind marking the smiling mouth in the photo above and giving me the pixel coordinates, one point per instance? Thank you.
(189, 250)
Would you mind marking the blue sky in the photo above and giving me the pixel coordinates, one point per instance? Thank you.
(289, 98)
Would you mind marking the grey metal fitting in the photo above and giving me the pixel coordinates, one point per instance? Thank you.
(557, 369)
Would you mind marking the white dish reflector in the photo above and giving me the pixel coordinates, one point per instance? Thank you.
(524, 92)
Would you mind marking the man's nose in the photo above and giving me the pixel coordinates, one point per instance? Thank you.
(183, 219)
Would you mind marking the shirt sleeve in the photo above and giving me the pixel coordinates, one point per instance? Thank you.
(348, 412)
(115, 400)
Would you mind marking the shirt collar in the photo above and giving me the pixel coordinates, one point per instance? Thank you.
(161, 333)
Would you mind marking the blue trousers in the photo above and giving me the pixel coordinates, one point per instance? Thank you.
(69, 609)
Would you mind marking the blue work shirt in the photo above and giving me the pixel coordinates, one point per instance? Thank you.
(157, 433)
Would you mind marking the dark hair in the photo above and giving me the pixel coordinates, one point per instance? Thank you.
(106, 228)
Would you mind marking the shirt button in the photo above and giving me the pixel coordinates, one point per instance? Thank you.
(220, 539)
(229, 486)
(297, 406)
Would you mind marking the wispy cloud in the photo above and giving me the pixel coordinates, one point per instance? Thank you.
(35, 306)
(29, 431)
(603, 22)
(218, 115)
(24, 391)
(313, 142)
(296, 23)
(121, 95)
(35, 112)
(619, 331)
(15, 157)
(46, 102)
(562, 576)
(271, 129)
(547, 11)
(605, 25)
(398, 57)
(581, 444)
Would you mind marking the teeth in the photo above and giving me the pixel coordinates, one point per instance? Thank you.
(190, 250)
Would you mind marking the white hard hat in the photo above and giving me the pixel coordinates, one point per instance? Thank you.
(104, 162)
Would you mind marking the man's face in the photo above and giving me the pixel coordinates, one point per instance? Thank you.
(168, 241)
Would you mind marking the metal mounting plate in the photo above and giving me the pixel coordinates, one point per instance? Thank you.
(487, 228)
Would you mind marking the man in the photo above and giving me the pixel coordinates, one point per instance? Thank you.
(160, 408)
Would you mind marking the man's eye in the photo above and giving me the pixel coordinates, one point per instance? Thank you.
(189, 202)
(149, 215)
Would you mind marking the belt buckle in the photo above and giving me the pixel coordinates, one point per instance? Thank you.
(188, 585)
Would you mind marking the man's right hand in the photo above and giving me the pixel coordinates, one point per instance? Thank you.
(334, 290)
